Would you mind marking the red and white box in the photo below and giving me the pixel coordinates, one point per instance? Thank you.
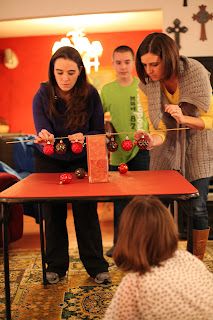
(97, 158)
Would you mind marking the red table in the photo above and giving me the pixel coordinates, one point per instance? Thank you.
(43, 187)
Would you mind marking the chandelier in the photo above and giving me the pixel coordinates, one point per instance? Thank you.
(89, 51)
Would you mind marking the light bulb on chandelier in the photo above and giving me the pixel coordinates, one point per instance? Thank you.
(89, 51)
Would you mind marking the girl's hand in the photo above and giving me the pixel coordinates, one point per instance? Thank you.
(77, 137)
(175, 111)
(44, 136)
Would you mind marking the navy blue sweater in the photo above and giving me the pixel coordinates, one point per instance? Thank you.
(55, 125)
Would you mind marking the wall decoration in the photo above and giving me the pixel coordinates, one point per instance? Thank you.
(11, 60)
(177, 30)
(202, 17)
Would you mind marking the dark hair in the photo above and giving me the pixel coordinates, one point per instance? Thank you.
(147, 235)
(123, 49)
(76, 113)
(164, 47)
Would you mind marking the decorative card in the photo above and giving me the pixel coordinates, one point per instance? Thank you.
(97, 158)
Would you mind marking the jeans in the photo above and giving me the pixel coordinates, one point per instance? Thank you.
(139, 162)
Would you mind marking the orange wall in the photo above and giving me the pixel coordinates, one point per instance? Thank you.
(18, 86)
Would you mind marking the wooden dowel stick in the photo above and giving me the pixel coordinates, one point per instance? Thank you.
(8, 142)
(107, 134)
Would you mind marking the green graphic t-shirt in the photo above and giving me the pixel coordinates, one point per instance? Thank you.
(126, 116)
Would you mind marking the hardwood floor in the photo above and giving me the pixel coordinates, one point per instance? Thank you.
(30, 238)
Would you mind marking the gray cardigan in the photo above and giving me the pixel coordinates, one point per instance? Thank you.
(190, 151)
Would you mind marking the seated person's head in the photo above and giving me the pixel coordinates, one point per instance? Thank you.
(147, 235)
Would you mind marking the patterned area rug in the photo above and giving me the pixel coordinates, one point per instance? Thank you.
(76, 297)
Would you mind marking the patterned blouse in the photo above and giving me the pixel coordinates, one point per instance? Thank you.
(180, 289)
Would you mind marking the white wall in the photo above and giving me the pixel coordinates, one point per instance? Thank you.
(190, 43)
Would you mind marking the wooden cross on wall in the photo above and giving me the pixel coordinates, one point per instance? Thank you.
(202, 17)
(177, 30)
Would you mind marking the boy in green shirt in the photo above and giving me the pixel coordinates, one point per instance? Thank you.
(120, 98)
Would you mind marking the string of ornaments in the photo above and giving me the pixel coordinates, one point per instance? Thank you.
(142, 142)
(112, 145)
(127, 144)
(61, 148)
(77, 147)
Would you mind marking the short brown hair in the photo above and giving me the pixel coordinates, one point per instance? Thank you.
(122, 49)
(147, 235)
(161, 45)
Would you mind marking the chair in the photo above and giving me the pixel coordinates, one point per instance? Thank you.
(15, 222)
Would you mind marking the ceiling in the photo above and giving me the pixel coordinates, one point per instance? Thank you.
(90, 23)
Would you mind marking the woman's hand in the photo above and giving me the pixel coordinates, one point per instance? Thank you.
(44, 136)
(77, 137)
(153, 140)
(189, 121)
(176, 112)
(140, 134)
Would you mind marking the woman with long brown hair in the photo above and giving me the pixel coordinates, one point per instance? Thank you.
(68, 106)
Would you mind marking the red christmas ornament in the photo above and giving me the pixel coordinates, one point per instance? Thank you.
(123, 168)
(80, 173)
(112, 145)
(77, 147)
(65, 178)
(48, 149)
(60, 147)
(127, 144)
(143, 142)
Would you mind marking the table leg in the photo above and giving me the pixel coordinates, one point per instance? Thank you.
(176, 213)
(43, 256)
(5, 216)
